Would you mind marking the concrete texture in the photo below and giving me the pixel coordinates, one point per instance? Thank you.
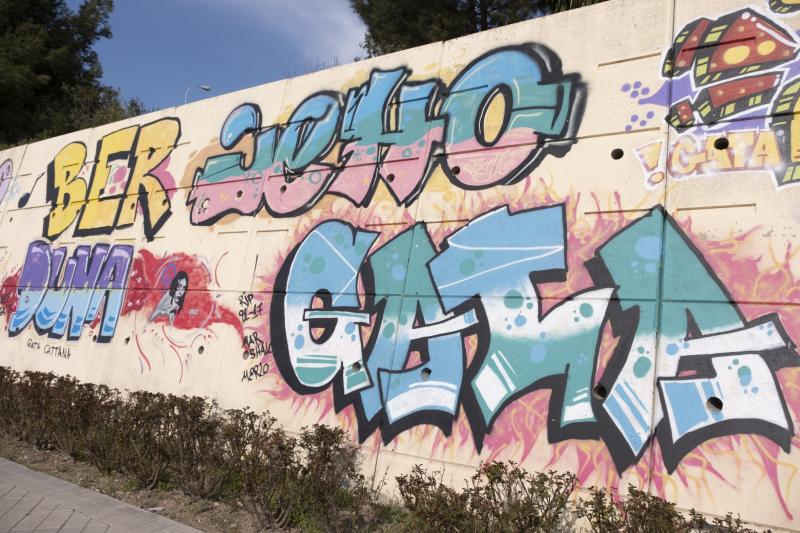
(569, 242)
(31, 502)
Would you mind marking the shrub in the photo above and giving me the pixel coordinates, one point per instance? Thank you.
(8, 406)
(641, 512)
(336, 496)
(143, 437)
(268, 467)
(312, 482)
(200, 465)
(33, 403)
(601, 512)
(433, 506)
(728, 524)
(104, 437)
(500, 497)
(503, 497)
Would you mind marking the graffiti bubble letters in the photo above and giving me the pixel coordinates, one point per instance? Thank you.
(483, 282)
(388, 129)
(126, 173)
(691, 155)
(61, 294)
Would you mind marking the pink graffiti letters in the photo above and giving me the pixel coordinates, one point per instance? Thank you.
(388, 129)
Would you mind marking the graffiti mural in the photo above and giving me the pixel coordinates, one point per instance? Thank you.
(734, 77)
(521, 348)
(573, 256)
(128, 171)
(386, 130)
(60, 294)
(172, 301)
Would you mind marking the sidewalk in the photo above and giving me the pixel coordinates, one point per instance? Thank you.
(31, 501)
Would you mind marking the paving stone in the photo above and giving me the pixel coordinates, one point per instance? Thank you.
(11, 499)
(36, 516)
(76, 520)
(16, 514)
(33, 502)
(59, 518)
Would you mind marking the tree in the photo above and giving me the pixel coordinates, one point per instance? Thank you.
(393, 25)
(49, 72)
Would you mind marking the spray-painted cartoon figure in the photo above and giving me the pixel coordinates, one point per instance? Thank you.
(172, 301)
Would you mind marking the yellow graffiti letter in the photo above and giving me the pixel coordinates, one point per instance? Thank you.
(156, 142)
(741, 143)
(100, 214)
(765, 153)
(65, 190)
(685, 157)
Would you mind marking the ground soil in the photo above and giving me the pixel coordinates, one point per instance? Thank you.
(205, 515)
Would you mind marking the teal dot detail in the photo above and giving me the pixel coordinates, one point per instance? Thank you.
(467, 266)
(317, 266)
(513, 299)
(745, 375)
(641, 367)
(586, 310)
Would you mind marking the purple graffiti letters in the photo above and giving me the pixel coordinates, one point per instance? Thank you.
(61, 294)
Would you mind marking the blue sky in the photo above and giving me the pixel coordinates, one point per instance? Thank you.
(162, 47)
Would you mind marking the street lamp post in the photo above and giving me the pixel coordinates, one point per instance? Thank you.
(204, 87)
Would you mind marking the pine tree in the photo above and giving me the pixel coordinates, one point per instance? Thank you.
(397, 25)
(49, 72)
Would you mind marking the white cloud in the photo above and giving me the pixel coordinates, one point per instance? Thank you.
(324, 31)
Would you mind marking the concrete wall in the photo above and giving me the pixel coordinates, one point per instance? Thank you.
(527, 244)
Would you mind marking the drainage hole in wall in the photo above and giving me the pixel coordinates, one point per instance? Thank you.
(356, 367)
(390, 178)
(283, 188)
(425, 374)
(165, 201)
(94, 338)
(599, 392)
(617, 153)
(200, 350)
(714, 403)
(127, 340)
(456, 170)
(721, 143)
(239, 194)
